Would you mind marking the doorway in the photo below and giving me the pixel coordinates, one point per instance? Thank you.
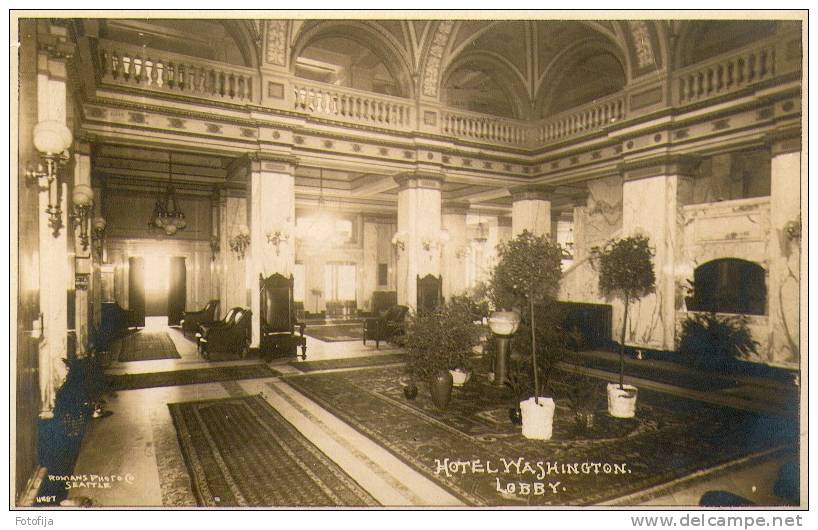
(163, 289)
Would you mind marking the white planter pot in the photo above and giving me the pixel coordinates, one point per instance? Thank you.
(622, 401)
(459, 377)
(538, 418)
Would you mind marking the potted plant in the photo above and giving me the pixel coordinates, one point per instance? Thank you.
(716, 343)
(527, 274)
(584, 396)
(439, 344)
(625, 271)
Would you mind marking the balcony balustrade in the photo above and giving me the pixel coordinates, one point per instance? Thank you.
(147, 69)
(583, 119)
(726, 73)
(124, 65)
(349, 105)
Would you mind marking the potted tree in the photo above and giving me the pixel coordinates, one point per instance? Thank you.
(439, 344)
(528, 273)
(625, 271)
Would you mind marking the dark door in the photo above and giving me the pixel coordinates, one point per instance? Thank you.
(136, 291)
(176, 292)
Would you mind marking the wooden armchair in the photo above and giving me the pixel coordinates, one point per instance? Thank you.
(277, 319)
(386, 327)
(230, 340)
(193, 319)
(430, 292)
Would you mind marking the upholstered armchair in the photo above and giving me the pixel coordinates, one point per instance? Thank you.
(277, 319)
(205, 327)
(193, 319)
(230, 340)
(430, 292)
(386, 327)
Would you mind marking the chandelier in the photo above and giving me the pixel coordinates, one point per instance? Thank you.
(167, 216)
(321, 227)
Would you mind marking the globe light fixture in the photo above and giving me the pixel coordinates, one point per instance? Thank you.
(52, 140)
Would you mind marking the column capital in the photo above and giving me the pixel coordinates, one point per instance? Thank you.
(531, 192)
(455, 208)
(420, 179)
(784, 141)
(679, 165)
(258, 161)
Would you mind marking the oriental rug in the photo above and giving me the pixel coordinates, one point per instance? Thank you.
(146, 346)
(336, 332)
(240, 452)
(474, 451)
(351, 362)
(193, 376)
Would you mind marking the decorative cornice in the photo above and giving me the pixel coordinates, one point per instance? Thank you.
(784, 141)
(531, 192)
(679, 165)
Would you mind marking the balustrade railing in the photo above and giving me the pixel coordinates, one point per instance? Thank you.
(480, 127)
(726, 73)
(581, 120)
(350, 105)
(145, 68)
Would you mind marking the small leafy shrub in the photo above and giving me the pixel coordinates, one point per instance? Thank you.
(441, 339)
(716, 342)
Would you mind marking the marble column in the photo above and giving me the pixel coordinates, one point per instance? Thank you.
(54, 264)
(271, 219)
(653, 194)
(97, 254)
(232, 286)
(531, 210)
(784, 282)
(82, 255)
(580, 209)
(419, 231)
(455, 251)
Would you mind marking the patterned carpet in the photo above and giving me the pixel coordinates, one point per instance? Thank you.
(670, 438)
(336, 332)
(352, 362)
(146, 346)
(241, 452)
(189, 377)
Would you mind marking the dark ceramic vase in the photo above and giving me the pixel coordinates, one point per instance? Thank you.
(441, 388)
(410, 391)
(515, 415)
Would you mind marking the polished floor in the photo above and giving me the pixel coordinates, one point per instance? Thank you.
(137, 444)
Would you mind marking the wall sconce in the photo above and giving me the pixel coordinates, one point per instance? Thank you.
(793, 229)
(98, 234)
(240, 242)
(51, 139)
(214, 247)
(277, 239)
(83, 201)
(399, 240)
(462, 252)
(435, 242)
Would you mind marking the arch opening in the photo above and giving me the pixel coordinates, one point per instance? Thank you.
(729, 285)
(592, 74)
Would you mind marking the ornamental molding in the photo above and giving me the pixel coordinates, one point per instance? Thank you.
(431, 74)
(276, 42)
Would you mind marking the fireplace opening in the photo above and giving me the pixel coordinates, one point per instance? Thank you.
(729, 285)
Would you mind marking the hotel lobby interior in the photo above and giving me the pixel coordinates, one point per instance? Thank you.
(429, 262)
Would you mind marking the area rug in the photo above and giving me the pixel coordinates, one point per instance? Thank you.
(683, 379)
(146, 346)
(352, 362)
(474, 451)
(336, 332)
(189, 377)
(240, 452)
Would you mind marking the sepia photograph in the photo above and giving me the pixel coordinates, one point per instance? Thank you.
(408, 259)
